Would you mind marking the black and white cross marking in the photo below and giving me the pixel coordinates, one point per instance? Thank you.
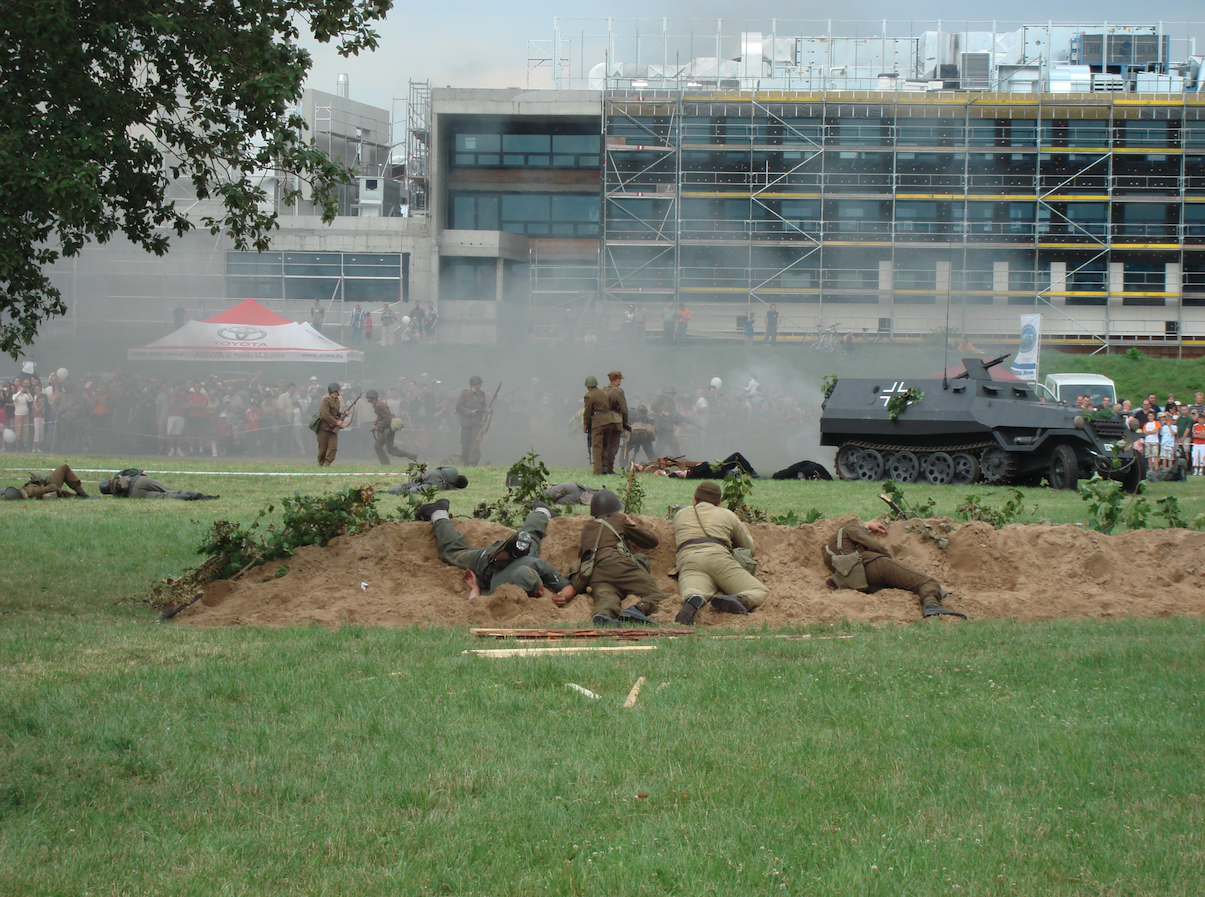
(897, 389)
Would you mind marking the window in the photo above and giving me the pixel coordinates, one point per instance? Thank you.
(533, 214)
(1088, 277)
(487, 143)
(350, 277)
(468, 278)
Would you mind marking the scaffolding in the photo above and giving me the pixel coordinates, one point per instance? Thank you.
(418, 148)
(868, 206)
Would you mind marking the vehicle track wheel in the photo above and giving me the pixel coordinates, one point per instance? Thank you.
(903, 467)
(870, 465)
(1064, 468)
(938, 468)
(966, 469)
(993, 464)
(847, 462)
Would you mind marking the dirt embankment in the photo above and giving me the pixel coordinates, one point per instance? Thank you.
(391, 576)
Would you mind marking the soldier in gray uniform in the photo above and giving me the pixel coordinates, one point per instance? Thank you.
(135, 484)
(512, 561)
(441, 478)
(568, 494)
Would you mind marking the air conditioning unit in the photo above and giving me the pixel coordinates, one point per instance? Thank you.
(976, 71)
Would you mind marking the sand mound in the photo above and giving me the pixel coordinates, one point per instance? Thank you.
(391, 576)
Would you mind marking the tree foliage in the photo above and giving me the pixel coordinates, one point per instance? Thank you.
(103, 102)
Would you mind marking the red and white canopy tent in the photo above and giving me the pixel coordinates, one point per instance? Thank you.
(247, 332)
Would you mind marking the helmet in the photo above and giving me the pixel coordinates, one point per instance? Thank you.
(461, 481)
(332, 387)
(12, 493)
(591, 382)
(106, 487)
(604, 503)
(717, 382)
(474, 380)
(372, 394)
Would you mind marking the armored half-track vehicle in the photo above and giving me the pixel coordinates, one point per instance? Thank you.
(970, 429)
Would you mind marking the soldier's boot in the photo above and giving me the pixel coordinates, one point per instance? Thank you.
(637, 613)
(729, 604)
(425, 512)
(540, 506)
(410, 455)
(603, 621)
(690, 607)
(931, 607)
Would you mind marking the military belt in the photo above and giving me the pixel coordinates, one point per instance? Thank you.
(703, 540)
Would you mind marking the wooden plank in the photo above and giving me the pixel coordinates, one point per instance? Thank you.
(535, 652)
(623, 634)
(630, 700)
(584, 691)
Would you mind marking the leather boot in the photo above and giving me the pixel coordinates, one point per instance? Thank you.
(690, 607)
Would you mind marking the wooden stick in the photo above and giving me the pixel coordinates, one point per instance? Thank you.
(585, 691)
(535, 652)
(623, 634)
(630, 701)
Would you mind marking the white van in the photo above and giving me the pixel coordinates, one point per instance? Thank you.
(1065, 388)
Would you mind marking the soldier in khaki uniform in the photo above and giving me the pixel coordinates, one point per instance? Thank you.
(705, 535)
(384, 429)
(619, 402)
(602, 419)
(53, 486)
(470, 414)
(881, 570)
(329, 422)
(616, 573)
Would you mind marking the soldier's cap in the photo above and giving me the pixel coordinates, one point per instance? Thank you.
(475, 380)
(615, 375)
(708, 491)
(313, 379)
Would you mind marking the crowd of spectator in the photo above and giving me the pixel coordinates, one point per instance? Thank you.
(1165, 433)
(127, 413)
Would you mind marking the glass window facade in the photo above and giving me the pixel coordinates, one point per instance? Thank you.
(346, 276)
(531, 214)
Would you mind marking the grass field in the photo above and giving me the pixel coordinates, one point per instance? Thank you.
(989, 758)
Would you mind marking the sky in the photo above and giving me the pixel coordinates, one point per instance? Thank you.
(471, 43)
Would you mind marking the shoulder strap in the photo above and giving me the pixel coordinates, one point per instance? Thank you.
(622, 546)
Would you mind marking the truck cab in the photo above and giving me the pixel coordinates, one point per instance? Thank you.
(1065, 388)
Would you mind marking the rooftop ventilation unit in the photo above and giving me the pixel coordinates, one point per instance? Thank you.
(976, 71)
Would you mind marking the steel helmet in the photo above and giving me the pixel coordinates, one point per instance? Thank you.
(372, 394)
(604, 503)
(591, 382)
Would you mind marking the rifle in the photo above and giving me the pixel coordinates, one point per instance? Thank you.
(677, 419)
(489, 413)
(343, 417)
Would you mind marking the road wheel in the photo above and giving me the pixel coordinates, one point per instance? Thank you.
(966, 469)
(903, 467)
(993, 464)
(938, 468)
(1064, 469)
(847, 462)
(870, 465)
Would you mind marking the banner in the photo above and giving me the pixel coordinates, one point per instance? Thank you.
(1025, 365)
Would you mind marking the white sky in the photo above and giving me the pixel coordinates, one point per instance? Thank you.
(471, 43)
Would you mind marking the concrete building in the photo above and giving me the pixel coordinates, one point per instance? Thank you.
(877, 182)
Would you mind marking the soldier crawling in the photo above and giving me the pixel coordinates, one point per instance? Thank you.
(514, 560)
(864, 563)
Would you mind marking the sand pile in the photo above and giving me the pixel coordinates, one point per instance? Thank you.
(391, 576)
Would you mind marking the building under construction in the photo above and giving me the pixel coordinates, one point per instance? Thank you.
(879, 179)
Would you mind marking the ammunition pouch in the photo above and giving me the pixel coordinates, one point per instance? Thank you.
(848, 569)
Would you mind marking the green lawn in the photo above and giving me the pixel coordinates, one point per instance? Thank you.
(982, 758)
